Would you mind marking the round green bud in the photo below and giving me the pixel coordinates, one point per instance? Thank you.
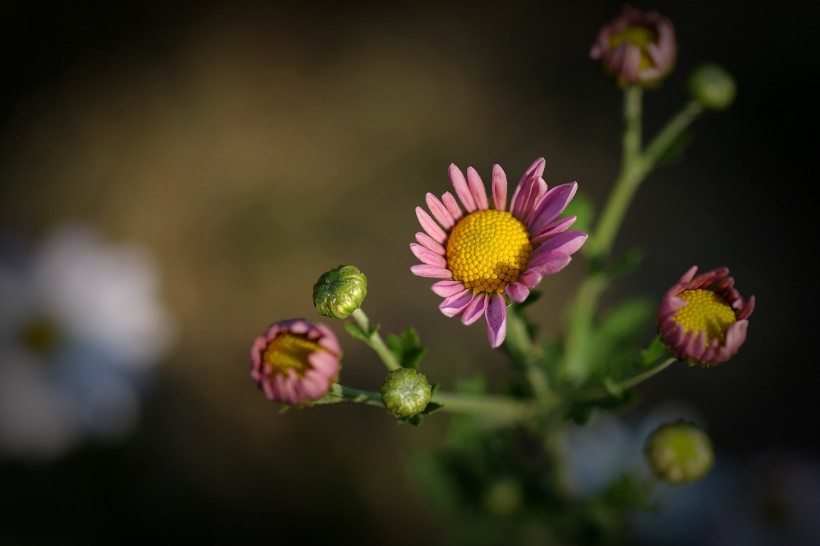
(340, 291)
(503, 497)
(712, 86)
(406, 392)
(679, 452)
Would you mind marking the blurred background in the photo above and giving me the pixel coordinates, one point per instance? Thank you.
(220, 156)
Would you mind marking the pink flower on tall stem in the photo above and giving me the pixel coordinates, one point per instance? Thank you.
(487, 256)
(703, 319)
(295, 362)
(637, 47)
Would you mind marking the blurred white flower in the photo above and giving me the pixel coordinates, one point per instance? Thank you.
(81, 324)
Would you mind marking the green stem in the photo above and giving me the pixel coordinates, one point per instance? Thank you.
(598, 393)
(498, 408)
(526, 353)
(374, 340)
(635, 166)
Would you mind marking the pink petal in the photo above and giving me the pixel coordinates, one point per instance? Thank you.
(324, 363)
(477, 189)
(530, 194)
(552, 229)
(452, 206)
(566, 243)
(536, 169)
(461, 187)
(429, 243)
(431, 271)
(455, 304)
(475, 309)
(428, 257)
(517, 291)
(439, 211)
(496, 320)
(530, 278)
(445, 289)
(430, 226)
(550, 263)
(499, 184)
(552, 204)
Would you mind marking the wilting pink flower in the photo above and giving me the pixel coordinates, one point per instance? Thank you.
(703, 319)
(636, 47)
(486, 256)
(295, 362)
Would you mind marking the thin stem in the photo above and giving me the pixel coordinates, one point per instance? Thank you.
(526, 353)
(500, 408)
(497, 408)
(598, 393)
(666, 137)
(375, 340)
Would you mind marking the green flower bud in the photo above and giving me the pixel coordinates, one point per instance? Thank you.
(406, 392)
(712, 86)
(679, 452)
(340, 291)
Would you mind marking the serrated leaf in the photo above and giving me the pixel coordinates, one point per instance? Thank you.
(407, 348)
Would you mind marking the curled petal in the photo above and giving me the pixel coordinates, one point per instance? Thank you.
(517, 291)
(429, 243)
(445, 289)
(430, 226)
(428, 257)
(552, 204)
(431, 271)
(530, 278)
(496, 320)
(477, 189)
(440, 212)
(456, 304)
(452, 206)
(566, 243)
(499, 188)
(475, 310)
(549, 264)
(462, 189)
(552, 229)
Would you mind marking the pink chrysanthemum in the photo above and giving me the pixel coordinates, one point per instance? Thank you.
(636, 47)
(703, 319)
(295, 362)
(486, 256)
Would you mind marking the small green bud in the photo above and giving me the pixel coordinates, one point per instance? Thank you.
(712, 86)
(679, 452)
(340, 291)
(406, 392)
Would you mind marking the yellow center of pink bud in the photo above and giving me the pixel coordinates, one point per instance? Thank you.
(639, 36)
(488, 249)
(288, 351)
(705, 312)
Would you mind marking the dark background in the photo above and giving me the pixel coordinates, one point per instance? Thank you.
(253, 146)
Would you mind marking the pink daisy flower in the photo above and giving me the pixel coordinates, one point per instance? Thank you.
(295, 362)
(486, 256)
(636, 47)
(703, 319)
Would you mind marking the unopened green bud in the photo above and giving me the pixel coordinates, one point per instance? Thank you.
(406, 392)
(712, 86)
(340, 291)
(679, 452)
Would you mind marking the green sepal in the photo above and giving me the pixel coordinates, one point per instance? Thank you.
(407, 348)
(357, 333)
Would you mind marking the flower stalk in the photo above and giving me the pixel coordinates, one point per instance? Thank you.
(374, 340)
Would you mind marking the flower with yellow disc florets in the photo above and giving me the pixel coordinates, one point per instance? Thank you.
(703, 319)
(636, 48)
(295, 362)
(486, 256)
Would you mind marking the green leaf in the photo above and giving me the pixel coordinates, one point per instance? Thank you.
(356, 332)
(407, 348)
(616, 338)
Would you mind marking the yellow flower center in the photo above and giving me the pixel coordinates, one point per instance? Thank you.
(639, 36)
(288, 351)
(705, 312)
(488, 249)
